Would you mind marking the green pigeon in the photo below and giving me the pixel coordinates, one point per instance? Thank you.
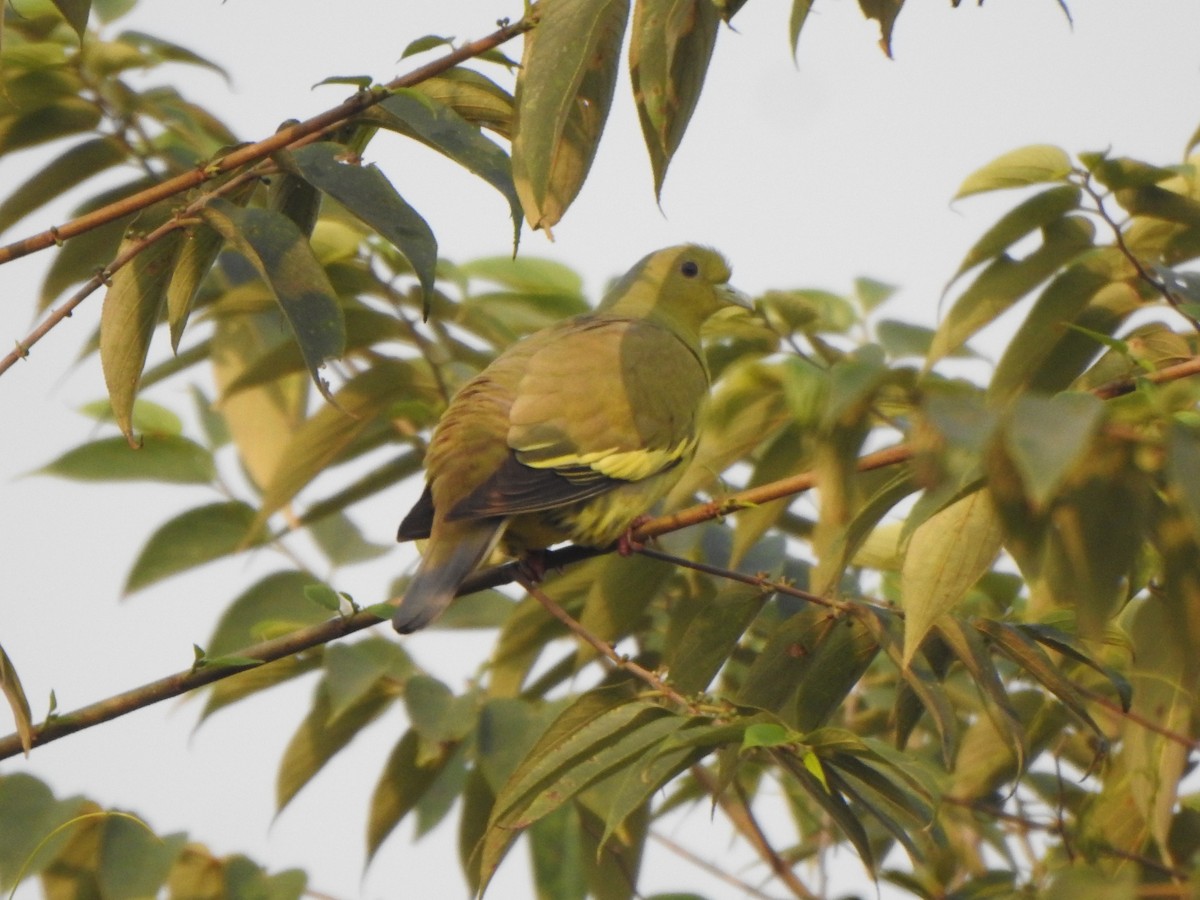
(572, 433)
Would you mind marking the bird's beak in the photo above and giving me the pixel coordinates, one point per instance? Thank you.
(734, 297)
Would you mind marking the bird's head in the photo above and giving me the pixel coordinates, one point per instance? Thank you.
(681, 286)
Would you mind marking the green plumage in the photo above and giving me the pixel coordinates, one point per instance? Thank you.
(572, 433)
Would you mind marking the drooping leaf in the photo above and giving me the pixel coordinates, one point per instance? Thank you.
(1033, 214)
(671, 45)
(406, 777)
(439, 126)
(322, 439)
(1037, 351)
(885, 13)
(1034, 164)
(260, 421)
(10, 686)
(1005, 281)
(1047, 435)
(320, 737)
(132, 309)
(166, 458)
(280, 253)
(166, 51)
(76, 14)
(564, 90)
(201, 247)
(473, 96)
(946, 555)
(73, 167)
(800, 11)
(365, 192)
(270, 608)
(191, 539)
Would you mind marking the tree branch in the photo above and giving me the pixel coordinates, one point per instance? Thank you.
(307, 638)
(293, 135)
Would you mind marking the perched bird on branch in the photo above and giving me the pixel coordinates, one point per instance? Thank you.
(572, 433)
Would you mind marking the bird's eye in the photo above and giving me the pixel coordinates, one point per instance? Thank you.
(689, 269)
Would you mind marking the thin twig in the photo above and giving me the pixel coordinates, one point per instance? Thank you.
(742, 819)
(602, 647)
(1119, 238)
(122, 259)
(715, 871)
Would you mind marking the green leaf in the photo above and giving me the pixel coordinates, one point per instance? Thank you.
(1160, 203)
(134, 861)
(671, 44)
(165, 51)
(1034, 164)
(1038, 353)
(556, 855)
(353, 671)
(64, 118)
(39, 840)
(428, 42)
(697, 653)
(131, 311)
(284, 260)
(414, 113)
(946, 555)
(76, 14)
(435, 712)
(271, 608)
(149, 418)
(475, 97)
(10, 686)
(564, 91)
(64, 172)
(366, 193)
(191, 539)
(573, 744)
(1038, 212)
(321, 440)
(768, 734)
(320, 737)
(800, 11)
(158, 457)
(1022, 650)
(885, 13)
(1046, 436)
(406, 778)
(1005, 281)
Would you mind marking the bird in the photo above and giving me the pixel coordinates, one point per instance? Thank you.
(571, 434)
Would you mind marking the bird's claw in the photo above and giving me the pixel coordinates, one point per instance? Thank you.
(626, 545)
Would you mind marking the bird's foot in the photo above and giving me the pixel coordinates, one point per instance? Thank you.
(626, 545)
(532, 566)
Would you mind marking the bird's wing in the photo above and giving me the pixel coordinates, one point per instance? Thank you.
(605, 401)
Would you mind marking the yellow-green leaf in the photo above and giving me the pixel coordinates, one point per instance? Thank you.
(157, 457)
(191, 539)
(10, 685)
(1034, 164)
(946, 555)
(131, 311)
(564, 91)
(281, 254)
(366, 193)
(671, 45)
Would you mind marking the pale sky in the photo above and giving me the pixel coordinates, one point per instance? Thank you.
(805, 175)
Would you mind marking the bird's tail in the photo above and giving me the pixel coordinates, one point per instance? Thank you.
(448, 560)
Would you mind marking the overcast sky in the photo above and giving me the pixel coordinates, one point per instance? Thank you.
(805, 174)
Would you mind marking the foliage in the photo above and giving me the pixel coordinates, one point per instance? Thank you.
(992, 636)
